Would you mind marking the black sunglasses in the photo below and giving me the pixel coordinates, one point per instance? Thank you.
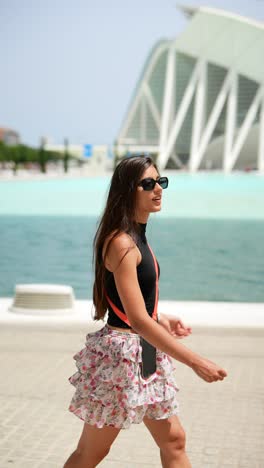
(149, 183)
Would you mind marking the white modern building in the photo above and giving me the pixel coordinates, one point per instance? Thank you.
(199, 103)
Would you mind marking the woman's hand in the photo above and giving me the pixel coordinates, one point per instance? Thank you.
(205, 369)
(174, 326)
(208, 370)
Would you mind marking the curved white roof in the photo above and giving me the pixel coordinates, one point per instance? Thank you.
(225, 39)
(190, 11)
(218, 58)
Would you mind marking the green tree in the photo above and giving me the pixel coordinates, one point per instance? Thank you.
(66, 156)
(23, 155)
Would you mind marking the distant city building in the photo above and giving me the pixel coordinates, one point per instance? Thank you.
(9, 137)
(200, 101)
(93, 156)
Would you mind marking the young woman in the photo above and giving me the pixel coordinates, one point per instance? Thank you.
(125, 372)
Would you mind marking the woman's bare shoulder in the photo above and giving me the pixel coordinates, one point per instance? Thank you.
(118, 241)
(116, 247)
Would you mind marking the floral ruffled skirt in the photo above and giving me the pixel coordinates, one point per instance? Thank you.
(109, 387)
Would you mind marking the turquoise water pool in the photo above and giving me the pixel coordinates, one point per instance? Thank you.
(208, 238)
(234, 196)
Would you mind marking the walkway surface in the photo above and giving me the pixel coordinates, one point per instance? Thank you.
(224, 421)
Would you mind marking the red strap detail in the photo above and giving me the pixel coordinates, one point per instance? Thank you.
(118, 312)
(121, 314)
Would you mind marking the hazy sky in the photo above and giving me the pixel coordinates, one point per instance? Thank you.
(68, 68)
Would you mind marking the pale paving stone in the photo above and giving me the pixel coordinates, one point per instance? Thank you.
(224, 421)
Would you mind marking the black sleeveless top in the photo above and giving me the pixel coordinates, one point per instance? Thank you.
(146, 277)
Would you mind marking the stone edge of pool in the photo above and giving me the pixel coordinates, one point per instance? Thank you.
(242, 315)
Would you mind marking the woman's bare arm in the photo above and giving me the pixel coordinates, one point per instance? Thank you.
(125, 273)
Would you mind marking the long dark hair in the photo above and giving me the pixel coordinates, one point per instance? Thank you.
(118, 216)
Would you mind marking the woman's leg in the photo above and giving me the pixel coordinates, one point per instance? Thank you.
(170, 438)
(93, 446)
